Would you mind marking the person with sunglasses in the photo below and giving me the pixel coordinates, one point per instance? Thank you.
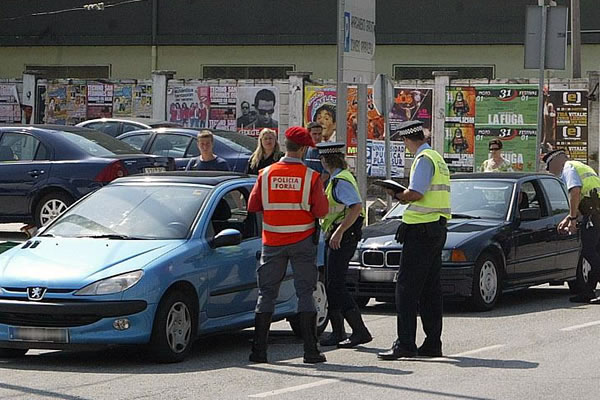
(264, 104)
(496, 163)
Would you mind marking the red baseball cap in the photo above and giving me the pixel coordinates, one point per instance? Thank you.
(299, 135)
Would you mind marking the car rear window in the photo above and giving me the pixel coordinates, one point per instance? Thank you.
(99, 144)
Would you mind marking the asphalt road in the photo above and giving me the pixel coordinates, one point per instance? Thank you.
(534, 345)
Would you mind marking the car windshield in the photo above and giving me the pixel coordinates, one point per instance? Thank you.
(482, 198)
(132, 212)
(99, 144)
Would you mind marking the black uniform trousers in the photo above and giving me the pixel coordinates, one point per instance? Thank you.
(418, 286)
(590, 240)
(337, 266)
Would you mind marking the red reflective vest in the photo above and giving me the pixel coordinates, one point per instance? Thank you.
(285, 191)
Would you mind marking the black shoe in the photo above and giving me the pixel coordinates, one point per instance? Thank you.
(582, 298)
(338, 333)
(595, 300)
(360, 333)
(396, 352)
(429, 352)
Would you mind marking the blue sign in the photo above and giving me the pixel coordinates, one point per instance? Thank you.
(346, 32)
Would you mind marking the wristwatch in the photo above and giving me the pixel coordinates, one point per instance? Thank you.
(572, 218)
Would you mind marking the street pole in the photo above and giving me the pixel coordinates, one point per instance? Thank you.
(154, 35)
(575, 40)
(340, 109)
(542, 65)
(386, 135)
(361, 142)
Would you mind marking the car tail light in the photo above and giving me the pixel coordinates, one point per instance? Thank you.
(112, 171)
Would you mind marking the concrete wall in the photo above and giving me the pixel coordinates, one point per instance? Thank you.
(135, 61)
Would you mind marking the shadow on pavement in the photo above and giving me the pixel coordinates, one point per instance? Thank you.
(526, 301)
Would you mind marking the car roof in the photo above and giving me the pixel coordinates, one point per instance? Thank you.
(210, 178)
(145, 121)
(45, 127)
(513, 176)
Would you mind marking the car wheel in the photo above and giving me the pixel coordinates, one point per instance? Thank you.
(13, 353)
(486, 283)
(50, 207)
(362, 301)
(174, 328)
(320, 296)
(581, 276)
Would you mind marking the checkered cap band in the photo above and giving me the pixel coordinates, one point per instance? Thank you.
(410, 131)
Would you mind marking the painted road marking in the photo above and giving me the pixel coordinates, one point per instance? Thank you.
(480, 350)
(576, 327)
(295, 388)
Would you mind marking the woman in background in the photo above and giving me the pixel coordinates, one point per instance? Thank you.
(496, 163)
(267, 152)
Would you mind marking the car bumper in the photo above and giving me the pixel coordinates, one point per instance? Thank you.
(457, 281)
(86, 323)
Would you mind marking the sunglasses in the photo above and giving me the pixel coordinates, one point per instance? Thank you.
(264, 112)
(494, 148)
(245, 108)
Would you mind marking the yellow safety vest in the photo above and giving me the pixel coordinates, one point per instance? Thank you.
(588, 176)
(337, 211)
(435, 202)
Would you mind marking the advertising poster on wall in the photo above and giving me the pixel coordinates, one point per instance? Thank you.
(10, 108)
(507, 112)
(99, 100)
(142, 101)
(65, 104)
(375, 127)
(257, 108)
(459, 146)
(411, 105)
(122, 100)
(518, 147)
(566, 123)
(376, 158)
(189, 105)
(319, 106)
(222, 107)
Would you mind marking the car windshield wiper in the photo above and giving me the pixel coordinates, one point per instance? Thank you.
(47, 234)
(394, 217)
(115, 236)
(466, 216)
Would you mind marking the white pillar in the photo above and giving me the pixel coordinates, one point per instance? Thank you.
(296, 102)
(442, 81)
(160, 80)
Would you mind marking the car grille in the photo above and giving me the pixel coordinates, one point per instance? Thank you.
(378, 258)
(45, 320)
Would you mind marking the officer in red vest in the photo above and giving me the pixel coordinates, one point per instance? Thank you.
(290, 196)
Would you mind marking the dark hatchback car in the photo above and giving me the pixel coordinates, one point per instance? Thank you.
(180, 143)
(117, 126)
(502, 236)
(45, 168)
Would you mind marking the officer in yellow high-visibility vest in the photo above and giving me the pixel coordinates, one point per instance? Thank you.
(583, 185)
(423, 234)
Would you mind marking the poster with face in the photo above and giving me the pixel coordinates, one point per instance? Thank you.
(459, 146)
(257, 108)
(460, 104)
(189, 105)
(122, 100)
(319, 106)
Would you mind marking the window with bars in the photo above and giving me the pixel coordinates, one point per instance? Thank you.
(72, 71)
(425, 71)
(246, 71)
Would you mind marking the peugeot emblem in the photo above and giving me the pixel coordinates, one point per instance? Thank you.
(36, 293)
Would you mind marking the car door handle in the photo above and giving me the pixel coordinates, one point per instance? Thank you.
(258, 254)
(35, 172)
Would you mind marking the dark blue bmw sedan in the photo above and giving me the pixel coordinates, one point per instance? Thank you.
(45, 168)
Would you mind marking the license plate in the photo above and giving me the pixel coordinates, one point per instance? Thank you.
(151, 170)
(47, 335)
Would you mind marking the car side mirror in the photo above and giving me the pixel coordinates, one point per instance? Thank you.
(227, 237)
(380, 212)
(530, 214)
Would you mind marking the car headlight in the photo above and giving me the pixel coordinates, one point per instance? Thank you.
(356, 257)
(114, 284)
(455, 255)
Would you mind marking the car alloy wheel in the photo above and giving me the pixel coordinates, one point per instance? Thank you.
(179, 327)
(488, 282)
(51, 209)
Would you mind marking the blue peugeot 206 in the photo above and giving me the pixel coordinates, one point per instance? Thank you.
(156, 260)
